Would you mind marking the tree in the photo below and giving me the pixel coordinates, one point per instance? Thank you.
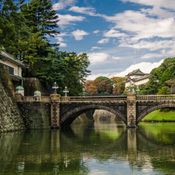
(26, 28)
(118, 85)
(41, 17)
(171, 85)
(159, 76)
(163, 90)
(67, 69)
(90, 87)
(104, 85)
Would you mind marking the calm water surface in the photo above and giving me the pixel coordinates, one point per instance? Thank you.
(98, 149)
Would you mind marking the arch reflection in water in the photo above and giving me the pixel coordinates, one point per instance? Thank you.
(89, 150)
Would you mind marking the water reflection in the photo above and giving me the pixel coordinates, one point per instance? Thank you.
(91, 149)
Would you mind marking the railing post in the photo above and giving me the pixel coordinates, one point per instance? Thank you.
(131, 110)
(55, 111)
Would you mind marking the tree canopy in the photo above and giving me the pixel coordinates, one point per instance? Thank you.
(162, 79)
(27, 30)
(105, 86)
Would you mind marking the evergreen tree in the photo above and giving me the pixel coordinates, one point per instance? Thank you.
(41, 17)
(67, 69)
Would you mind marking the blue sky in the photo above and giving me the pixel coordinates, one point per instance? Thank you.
(118, 35)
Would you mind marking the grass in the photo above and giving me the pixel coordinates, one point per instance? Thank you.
(161, 132)
(160, 116)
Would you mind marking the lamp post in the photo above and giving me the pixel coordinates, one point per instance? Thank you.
(55, 87)
(65, 91)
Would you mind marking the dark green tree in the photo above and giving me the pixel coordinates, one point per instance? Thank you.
(41, 17)
(67, 69)
(159, 76)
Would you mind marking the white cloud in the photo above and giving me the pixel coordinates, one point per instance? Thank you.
(98, 57)
(141, 26)
(152, 29)
(151, 55)
(83, 10)
(145, 67)
(152, 45)
(170, 4)
(157, 11)
(63, 4)
(113, 33)
(79, 34)
(60, 39)
(103, 41)
(96, 31)
(116, 58)
(67, 19)
(95, 48)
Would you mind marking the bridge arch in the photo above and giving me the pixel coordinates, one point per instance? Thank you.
(149, 110)
(70, 116)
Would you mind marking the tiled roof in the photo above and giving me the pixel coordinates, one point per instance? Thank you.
(5, 55)
(138, 79)
(136, 72)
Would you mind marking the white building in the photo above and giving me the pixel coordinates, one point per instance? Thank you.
(13, 66)
(136, 78)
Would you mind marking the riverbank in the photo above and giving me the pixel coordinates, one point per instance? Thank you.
(160, 116)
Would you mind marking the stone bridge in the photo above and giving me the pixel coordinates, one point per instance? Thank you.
(131, 109)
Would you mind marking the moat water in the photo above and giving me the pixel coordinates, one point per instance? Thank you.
(96, 149)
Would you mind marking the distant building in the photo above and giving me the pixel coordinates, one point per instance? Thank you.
(14, 67)
(136, 78)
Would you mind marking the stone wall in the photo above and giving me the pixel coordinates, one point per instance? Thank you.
(36, 115)
(10, 118)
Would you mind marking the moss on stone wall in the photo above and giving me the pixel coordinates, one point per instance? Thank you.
(5, 79)
(10, 119)
(36, 115)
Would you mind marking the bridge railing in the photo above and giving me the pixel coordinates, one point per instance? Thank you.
(97, 98)
(47, 99)
(28, 99)
(156, 97)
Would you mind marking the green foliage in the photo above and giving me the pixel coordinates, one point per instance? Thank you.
(104, 85)
(41, 17)
(159, 77)
(118, 85)
(26, 28)
(163, 90)
(67, 69)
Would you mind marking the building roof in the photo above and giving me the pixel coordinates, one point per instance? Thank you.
(134, 80)
(136, 72)
(7, 56)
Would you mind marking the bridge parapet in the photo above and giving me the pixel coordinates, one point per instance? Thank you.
(48, 99)
(155, 98)
(97, 98)
(30, 99)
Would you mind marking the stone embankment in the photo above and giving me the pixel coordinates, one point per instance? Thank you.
(10, 119)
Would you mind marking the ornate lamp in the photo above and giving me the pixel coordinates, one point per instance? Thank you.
(55, 87)
(65, 91)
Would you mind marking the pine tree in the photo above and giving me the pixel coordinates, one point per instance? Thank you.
(41, 17)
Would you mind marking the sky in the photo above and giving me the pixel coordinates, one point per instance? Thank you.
(118, 35)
